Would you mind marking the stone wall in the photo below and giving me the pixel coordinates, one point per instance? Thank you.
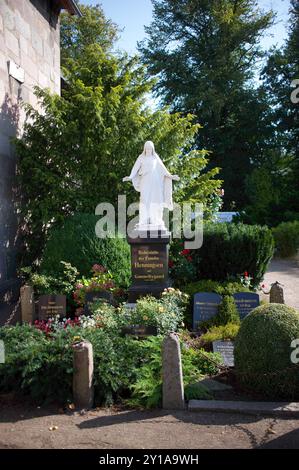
(29, 39)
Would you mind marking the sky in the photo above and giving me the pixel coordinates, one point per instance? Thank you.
(133, 15)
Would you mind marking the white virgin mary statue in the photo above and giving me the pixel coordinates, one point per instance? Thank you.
(154, 182)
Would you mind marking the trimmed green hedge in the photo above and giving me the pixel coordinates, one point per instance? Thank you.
(231, 249)
(263, 352)
(286, 236)
(76, 242)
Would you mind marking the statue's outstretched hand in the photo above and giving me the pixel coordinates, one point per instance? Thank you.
(126, 178)
(176, 178)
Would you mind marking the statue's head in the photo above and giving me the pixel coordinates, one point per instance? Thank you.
(149, 148)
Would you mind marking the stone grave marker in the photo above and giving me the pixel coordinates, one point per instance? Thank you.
(94, 296)
(226, 349)
(245, 302)
(51, 305)
(205, 307)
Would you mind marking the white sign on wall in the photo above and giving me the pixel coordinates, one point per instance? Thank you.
(16, 71)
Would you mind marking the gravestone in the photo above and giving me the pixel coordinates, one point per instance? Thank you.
(149, 264)
(226, 349)
(51, 305)
(276, 294)
(246, 302)
(205, 307)
(83, 390)
(172, 374)
(94, 296)
(140, 331)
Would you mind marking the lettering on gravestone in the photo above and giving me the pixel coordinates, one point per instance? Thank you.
(245, 302)
(226, 349)
(149, 264)
(51, 305)
(205, 307)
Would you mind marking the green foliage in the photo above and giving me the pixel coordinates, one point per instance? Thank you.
(81, 146)
(100, 281)
(45, 284)
(181, 267)
(76, 33)
(204, 54)
(41, 365)
(147, 390)
(75, 241)
(36, 366)
(230, 249)
(286, 236)
(277, 199)
(221, 288)
(117, 361)
(227, 312)
(220, 333)
(166, 313)
(263, 352)
(197, 392)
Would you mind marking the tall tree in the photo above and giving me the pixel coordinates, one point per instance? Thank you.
(281, 160)
(74, 154)
(204, 54)
(91, 28)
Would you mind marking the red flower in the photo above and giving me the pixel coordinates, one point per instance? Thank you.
(189, 258)
(185, 252)
(170, 263)
(246, 274)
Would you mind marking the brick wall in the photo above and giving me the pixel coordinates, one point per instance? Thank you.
(29, 36)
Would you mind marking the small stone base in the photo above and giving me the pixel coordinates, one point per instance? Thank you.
(247, 407)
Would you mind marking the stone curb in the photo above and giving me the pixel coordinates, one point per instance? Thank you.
(247, 407)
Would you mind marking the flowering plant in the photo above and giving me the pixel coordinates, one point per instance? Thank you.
(166, 313)
(245, 280)
(101, 280)
(51, 325)
(181, 267)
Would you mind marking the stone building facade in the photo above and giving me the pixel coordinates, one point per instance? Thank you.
(29, 56)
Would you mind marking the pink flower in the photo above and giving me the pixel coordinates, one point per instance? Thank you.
(98, 268)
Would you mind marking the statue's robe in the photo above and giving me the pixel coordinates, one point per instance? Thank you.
(154, 182)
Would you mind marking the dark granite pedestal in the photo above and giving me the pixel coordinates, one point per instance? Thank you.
(149, 261)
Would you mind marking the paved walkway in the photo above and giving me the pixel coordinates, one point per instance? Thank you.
(286, 272)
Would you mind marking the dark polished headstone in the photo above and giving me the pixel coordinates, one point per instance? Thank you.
(96, 296)
(51, 305)
(205, 307)
(140, 331)
(246, 302)
(149, 263)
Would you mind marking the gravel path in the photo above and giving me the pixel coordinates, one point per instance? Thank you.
(286, 272)
(23, 426)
